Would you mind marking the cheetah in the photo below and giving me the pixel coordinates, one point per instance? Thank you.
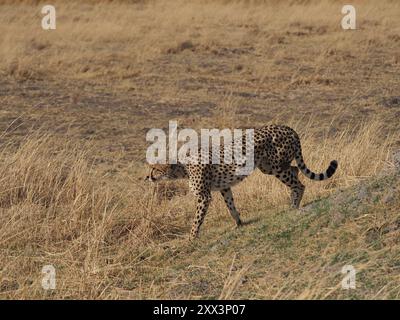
(275, 147)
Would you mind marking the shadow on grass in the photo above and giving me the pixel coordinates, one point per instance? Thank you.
(250, 221)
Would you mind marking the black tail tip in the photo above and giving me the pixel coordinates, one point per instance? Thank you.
(332, 168)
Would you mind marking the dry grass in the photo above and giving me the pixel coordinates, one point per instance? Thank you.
(56, 207)
(77, 102)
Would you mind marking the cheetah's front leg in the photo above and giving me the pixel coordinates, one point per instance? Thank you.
(203, 201)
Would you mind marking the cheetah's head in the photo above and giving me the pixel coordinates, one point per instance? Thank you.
(166, 172)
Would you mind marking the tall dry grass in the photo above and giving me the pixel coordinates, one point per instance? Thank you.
(56, 208)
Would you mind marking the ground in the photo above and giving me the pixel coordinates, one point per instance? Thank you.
(76, 103)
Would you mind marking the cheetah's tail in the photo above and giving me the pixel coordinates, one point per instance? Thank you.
(316, 176)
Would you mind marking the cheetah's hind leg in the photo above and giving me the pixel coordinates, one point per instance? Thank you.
(291, 179)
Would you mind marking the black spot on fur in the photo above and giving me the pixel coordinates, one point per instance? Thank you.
(321, 176)
(312, 176)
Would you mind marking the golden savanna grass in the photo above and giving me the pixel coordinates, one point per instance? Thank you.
(76, 104)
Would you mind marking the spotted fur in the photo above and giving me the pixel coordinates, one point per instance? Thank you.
(275, 147)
